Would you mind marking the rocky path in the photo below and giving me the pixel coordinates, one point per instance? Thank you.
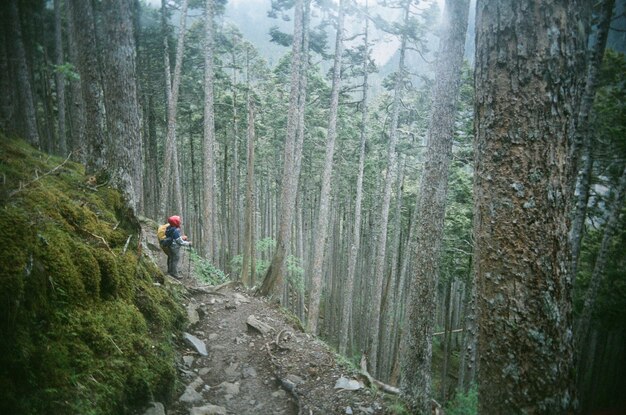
(242, 355)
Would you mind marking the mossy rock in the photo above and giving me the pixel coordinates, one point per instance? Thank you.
(85, 329)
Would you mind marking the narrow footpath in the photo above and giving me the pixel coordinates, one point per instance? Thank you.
(241, 354)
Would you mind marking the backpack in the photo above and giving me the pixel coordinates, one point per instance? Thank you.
(164, 241)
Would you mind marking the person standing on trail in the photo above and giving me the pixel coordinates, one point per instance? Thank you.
(173, 250)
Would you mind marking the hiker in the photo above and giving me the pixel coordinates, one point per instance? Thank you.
(173, 249)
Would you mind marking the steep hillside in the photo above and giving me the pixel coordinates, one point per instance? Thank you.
(86, 319)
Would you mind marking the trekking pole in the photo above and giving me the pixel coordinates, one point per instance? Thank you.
(189, 264)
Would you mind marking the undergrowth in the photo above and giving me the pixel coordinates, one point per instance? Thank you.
(84, 328)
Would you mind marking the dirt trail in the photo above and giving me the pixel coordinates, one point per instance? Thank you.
(284, 371)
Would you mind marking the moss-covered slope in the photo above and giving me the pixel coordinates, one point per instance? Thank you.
(84, 329)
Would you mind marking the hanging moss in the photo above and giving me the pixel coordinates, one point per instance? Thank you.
(84, 328)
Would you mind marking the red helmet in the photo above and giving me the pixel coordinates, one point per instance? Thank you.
(174, 221)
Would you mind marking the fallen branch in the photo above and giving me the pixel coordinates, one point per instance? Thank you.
(101, 239)
(279, 339)
(439, 333)
(37, 177)
(126, 244)
(380, 385)
(203, 290)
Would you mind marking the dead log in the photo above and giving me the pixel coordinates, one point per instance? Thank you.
(380, 385)
(258, 325)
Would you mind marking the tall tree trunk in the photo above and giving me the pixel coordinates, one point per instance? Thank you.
(319, 246)
(431, 207)
(233, 234)
(272, 284)
(171, 172)
(584, 324)
(27, 100)
(582, 136)
(247, 273)
(527, 85)
(7, 99)
(83, 21)
(208, 145)
(379, 267)
(77, 113)
(60, 78)
(122, 103)
(346, 305)
(467, 364)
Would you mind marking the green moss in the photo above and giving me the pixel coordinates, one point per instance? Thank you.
(85, 329)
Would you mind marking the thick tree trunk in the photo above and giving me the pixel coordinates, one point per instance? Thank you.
(60, 78)
(272, 284)
(431, 207)
(83, 21)
(27, 101)
(319, 246)
(527, 91)
(122, 103)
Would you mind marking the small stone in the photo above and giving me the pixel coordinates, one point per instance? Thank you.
(297, 380)
(349, 410)
(249, 372)
(212, 336)
(241, 298)
(218, 347)
(190, 395)
(231, 370)
(230, 388)
(196, 343)
(208, 410)
(348, 384)
(204, 371)
(188, 360)
(279, 394)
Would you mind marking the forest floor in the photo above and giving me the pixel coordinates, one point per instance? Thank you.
(258, 360)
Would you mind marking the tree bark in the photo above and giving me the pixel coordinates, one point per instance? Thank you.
(379, 267)
(83, 21)
(170, 180)
(122, 103)
(60, 78)
(247, 273)
(272, 284)
(527, 91)
(209, 247)
(319, 246)
(346, 305)
(27, 100)
(582, 138)
(584, 324)
(431, 207)
(77, 113)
